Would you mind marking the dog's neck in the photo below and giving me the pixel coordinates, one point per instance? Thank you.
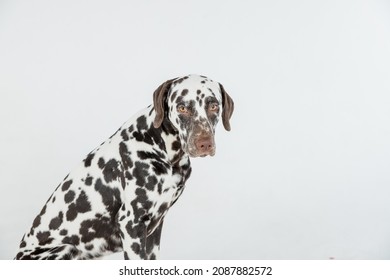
(167, 137)
(173, 145)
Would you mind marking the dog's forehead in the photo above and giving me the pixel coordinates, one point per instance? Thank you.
(194, 87)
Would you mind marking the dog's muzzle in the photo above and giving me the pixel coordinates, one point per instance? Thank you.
(201, 142)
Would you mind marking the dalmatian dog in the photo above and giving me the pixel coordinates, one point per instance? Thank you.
(117, 198)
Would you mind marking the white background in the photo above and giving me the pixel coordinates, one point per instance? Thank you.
(304, 173)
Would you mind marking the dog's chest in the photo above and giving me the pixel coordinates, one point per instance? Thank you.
(169, 188)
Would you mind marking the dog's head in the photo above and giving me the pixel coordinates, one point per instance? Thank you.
(193, 104)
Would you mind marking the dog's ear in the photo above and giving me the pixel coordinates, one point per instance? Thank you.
(227, 108)
(159, 97)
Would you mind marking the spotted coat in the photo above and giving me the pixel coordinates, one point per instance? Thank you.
(118, 196)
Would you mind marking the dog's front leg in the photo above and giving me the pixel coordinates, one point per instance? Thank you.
(153, 243)
(133, 234)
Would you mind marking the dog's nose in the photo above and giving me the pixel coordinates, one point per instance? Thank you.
(204, 145)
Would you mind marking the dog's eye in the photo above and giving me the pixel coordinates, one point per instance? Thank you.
(182, 109)
(213, 107)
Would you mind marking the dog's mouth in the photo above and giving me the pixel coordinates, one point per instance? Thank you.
(199, 154)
